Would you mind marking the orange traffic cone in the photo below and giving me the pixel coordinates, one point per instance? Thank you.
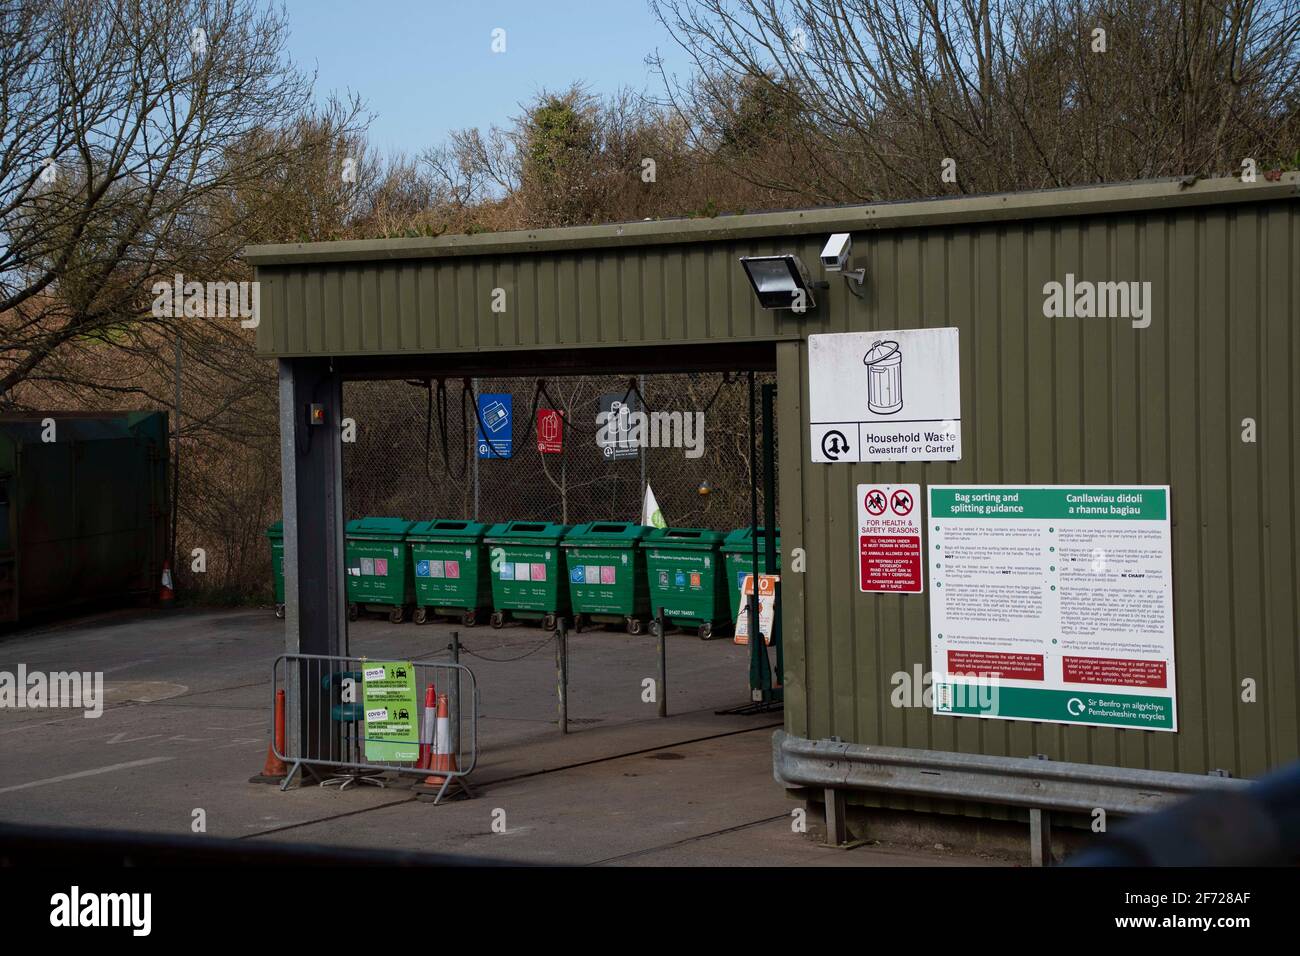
(441, 758)
(275, 769)
(165, 593)
(427, 728)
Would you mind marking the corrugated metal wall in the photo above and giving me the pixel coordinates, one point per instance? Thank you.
(678, 294)
(1096, 401)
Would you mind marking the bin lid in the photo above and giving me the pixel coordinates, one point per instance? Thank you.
(527, 532)
(625, 533)
(276, 530)
(742, 539)
(446, 529)
(683, 539)
(394, 528)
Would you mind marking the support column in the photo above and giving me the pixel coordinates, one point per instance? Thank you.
(315, 601)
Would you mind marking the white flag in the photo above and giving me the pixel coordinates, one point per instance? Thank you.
(651, 516)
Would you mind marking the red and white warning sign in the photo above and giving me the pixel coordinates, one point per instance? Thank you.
(890, 556)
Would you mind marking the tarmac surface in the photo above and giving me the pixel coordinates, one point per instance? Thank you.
(187, 722)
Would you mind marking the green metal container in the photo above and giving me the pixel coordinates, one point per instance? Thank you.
(528, 569)
(275, 534)
(450, 564)
(606, 574)
(83, 510)
(738, 554)
(378, 569)
(687, 581)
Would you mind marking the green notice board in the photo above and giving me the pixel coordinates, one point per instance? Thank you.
(392, 717)
(1053, 603)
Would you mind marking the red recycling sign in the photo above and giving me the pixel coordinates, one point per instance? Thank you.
(550, 431)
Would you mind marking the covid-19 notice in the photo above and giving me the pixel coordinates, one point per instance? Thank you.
(1053, 603)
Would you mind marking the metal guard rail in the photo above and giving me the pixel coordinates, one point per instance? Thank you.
(1013, 781)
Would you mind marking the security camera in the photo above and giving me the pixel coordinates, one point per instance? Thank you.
(835, 255)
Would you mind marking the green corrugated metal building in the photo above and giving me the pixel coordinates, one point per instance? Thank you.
(1044, 401)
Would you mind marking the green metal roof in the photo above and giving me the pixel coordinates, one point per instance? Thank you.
(1037, 204)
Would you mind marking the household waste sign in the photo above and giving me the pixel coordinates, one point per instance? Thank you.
(885, 396)
(1053, 603)
(889, 556)
(392, 718)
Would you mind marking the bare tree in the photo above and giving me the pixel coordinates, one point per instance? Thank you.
(122, 124)
(837, 100)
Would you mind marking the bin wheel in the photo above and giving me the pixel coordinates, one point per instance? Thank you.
(421, 615)
(279, 611)
(706, 631)
(654, 627)
(634, 625)
(354, 611)
(498, 619)
(469, 618)
(397, 615)
(548, 622)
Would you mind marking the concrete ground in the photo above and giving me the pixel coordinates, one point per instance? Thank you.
(188, 712)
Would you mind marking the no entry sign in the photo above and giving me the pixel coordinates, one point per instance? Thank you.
(890, 557)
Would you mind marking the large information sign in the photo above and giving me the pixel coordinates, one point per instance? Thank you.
(1053, 603)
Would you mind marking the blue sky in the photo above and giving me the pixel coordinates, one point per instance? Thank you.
(426, 67)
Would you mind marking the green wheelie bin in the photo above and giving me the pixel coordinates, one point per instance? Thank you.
(275, 534)
(451, 570)
(378, 569)
(738, 553)
(607, 583)
(686, 578)
(528, 569)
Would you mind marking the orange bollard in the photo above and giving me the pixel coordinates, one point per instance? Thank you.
(427, 729)
(165, 593)
(275, 769)
(442, 758)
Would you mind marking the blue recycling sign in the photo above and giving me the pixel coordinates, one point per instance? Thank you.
(496, 425)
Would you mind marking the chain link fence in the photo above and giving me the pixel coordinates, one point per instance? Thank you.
(415, 453)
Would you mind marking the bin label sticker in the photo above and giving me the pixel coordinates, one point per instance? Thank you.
(607, 574)
(889, 552)
(663, 579)
(577, 574)
(452, 568)
(885, 396)
(523, 571)
(381, 567)
(368, 567)
(681, 579)
(496, 415)
(539, 572)
(389, 703)
(507, 571)
(1053, 603)
(435, 569)
(422, 569)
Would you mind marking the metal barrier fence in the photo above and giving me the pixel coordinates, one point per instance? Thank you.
(327, 726)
